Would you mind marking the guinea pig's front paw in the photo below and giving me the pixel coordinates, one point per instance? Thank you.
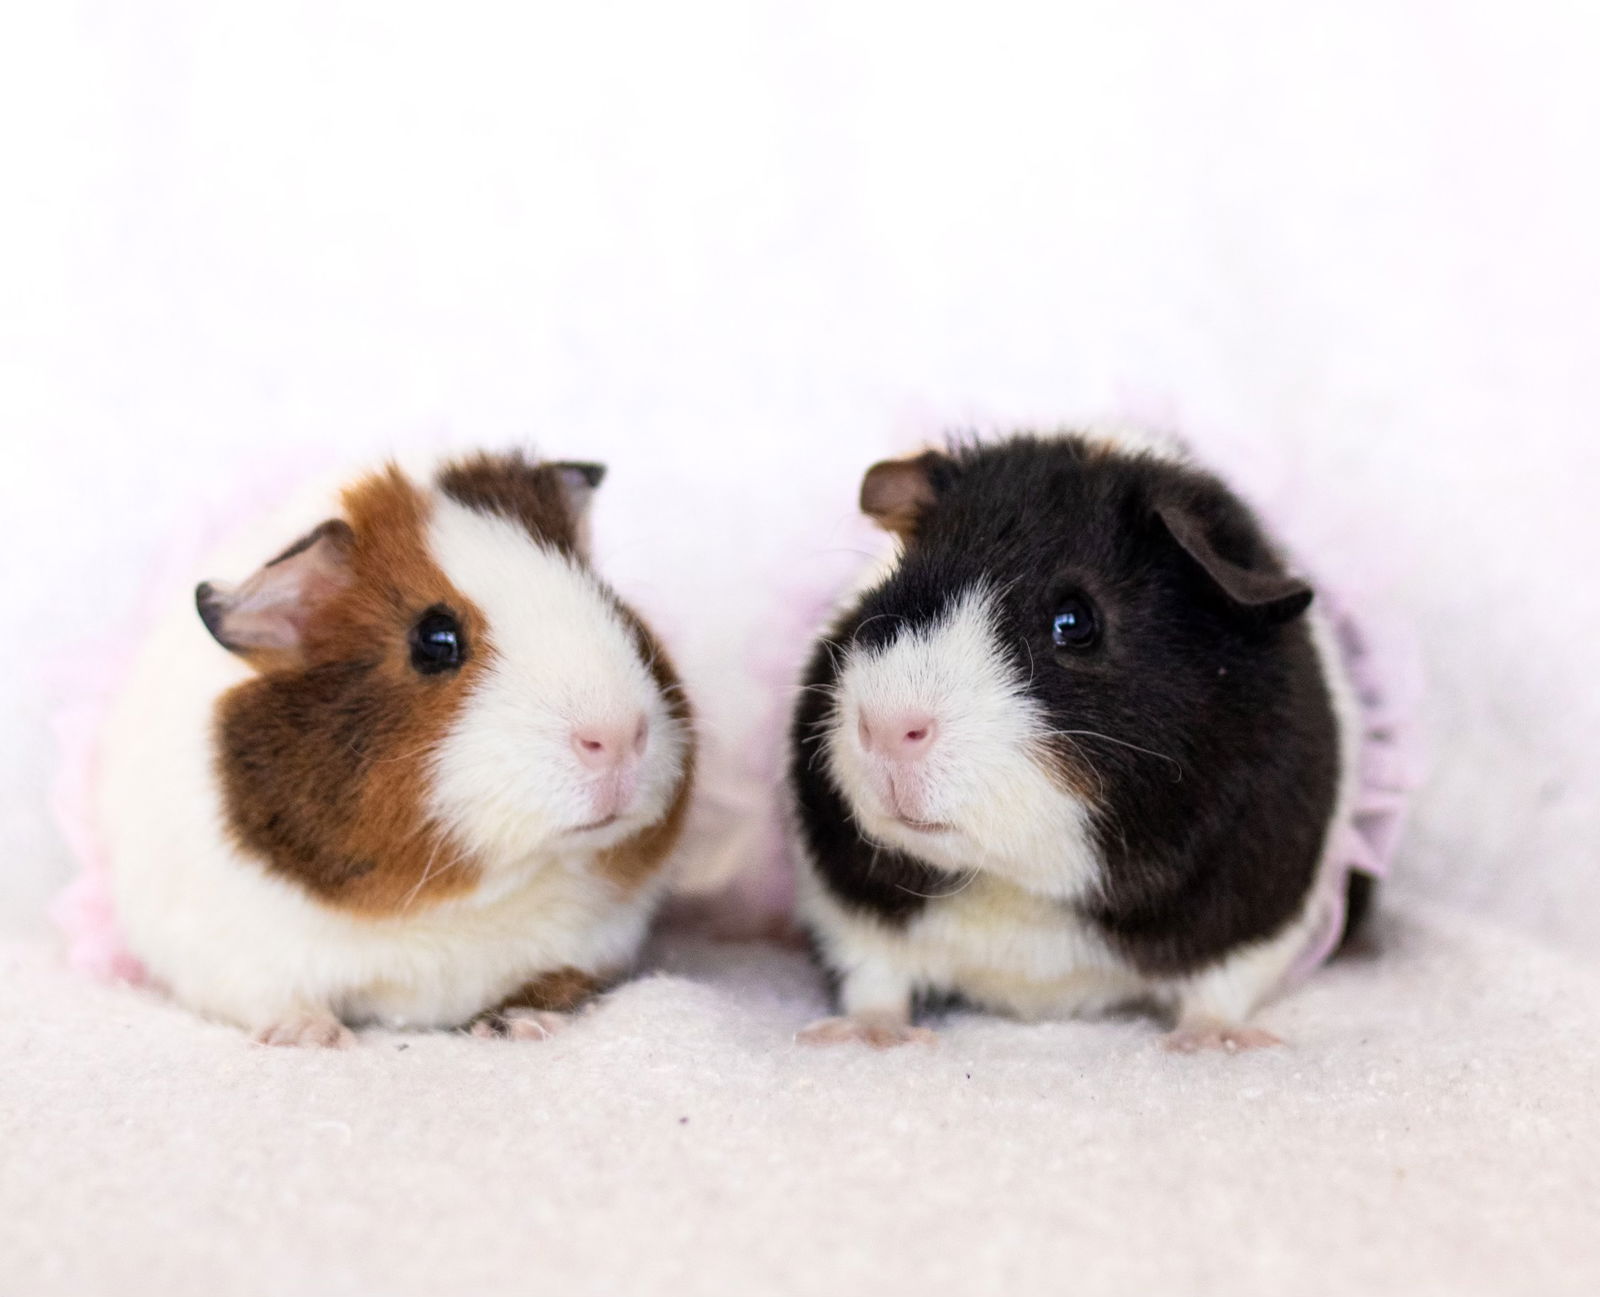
(877, 1031)
(1202, 1035)
(519, 1024)
(307, 1031)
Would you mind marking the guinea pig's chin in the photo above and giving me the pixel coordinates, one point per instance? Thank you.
(512, 820)
(600, 830)
(936, 842)
(1063, 866)
(526, 836)
(1021, 827)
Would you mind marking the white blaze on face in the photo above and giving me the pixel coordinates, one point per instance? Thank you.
(940, 751)
(566, 735)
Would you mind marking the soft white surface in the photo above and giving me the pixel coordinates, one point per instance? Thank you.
(1431, 1131)
(739, 250)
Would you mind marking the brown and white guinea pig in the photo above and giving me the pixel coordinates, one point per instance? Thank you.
(1081, 747)
(423, 771)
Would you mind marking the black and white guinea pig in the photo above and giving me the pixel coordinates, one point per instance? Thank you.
(423, 771)
(1081, 747)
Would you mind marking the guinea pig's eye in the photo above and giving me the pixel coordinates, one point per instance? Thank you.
(437, 643)
(1075, 624)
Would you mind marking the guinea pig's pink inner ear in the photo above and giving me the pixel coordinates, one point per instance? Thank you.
(896, 493)
(579, 482)
(1265, 596)
(267, 617)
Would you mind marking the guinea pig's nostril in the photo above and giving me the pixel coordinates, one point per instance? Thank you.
(592, 747)
(605, 747)
(899, 737)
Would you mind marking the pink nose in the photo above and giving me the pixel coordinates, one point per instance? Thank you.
(906, 737)
(607, 747)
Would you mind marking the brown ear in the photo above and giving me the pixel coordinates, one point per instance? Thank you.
(1270, 596)
(265, 619)
(897, 492)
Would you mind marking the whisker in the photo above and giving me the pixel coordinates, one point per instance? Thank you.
(1083, 757)
(942, 896)
(818, 752)
(427, 871)
(882, 616)
(1033, 664)
(1176, 765)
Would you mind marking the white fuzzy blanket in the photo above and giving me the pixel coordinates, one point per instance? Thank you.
(1431, 1130)
(741, 248)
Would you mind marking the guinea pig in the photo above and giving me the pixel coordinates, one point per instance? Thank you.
(1081, 747)
(420, 769)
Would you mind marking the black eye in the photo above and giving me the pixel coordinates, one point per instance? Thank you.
(437, 643)
(1075, 626)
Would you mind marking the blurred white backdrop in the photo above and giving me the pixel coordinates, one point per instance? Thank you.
(741, 249)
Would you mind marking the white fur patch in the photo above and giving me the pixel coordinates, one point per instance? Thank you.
(507, 780)
(987, 775)
(1005, 947)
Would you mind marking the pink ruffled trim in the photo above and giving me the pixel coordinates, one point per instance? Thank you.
(1389, 771)
(84, 911)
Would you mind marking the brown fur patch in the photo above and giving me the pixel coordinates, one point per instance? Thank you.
(559, 991)
(323, 766)
(513, 487)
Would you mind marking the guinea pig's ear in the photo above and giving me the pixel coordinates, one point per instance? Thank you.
(897, 492)
(265, 619)
(579, 481)
(1267, 596)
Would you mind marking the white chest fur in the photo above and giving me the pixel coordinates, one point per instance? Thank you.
(993, 942)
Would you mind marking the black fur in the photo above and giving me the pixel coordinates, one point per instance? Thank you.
(1209, 845)
(1357, 905)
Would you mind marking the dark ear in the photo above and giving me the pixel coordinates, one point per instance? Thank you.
(265, 619)
(896, 493)
(1269, 596)
(580, 481)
